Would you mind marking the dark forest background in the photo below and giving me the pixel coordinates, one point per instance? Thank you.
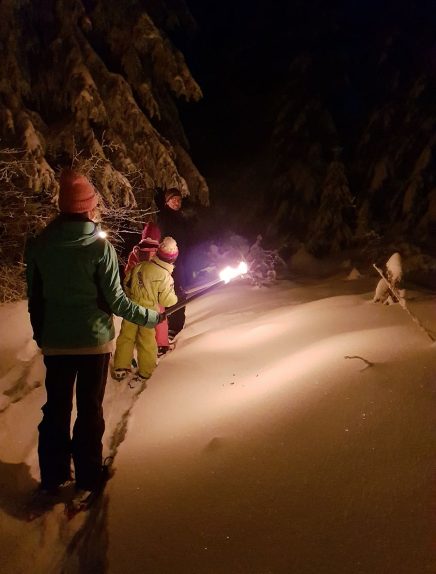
(310, 122)
(325, 110)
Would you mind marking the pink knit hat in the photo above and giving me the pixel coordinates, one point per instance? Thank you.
(151, 233)
(168, 250)
(76, 193)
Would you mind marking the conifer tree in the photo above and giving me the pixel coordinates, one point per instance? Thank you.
(91, 85)
(331, 230)
(96, 80)
(304, 132)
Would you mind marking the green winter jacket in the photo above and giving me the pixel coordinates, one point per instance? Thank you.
(74, 287)
(150, 284)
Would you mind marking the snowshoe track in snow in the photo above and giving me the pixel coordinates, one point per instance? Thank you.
(22, 381)
(66, 532)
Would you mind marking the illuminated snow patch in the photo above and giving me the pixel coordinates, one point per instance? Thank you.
(237, 338)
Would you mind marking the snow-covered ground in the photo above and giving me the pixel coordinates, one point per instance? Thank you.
(291, 431)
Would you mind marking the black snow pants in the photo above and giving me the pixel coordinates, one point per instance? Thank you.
(55, 443)
(176, 321)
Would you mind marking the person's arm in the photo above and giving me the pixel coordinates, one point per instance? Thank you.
(119, 303)
(34, 293)
(167, 296)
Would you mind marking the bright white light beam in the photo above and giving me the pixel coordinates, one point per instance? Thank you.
(225, 276)
(230, 273)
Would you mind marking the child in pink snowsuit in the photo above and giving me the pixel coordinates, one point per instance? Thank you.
(144, 251)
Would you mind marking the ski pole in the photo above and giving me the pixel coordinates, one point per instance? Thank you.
(184, 302)
(402, 302)
(226, 275)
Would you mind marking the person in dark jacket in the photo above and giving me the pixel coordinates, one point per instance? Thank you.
(73, 290)
(174, 221)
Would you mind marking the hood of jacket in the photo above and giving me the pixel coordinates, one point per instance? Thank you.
(71, 232)
(164, 264)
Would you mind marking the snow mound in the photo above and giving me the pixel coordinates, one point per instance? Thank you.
(353, 275)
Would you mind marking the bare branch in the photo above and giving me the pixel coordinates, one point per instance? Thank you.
(368, 363)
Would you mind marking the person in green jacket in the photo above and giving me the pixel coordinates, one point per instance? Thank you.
(73, 290)
(149, 283)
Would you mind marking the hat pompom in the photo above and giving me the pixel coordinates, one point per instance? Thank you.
(168, 250)
(76, 193)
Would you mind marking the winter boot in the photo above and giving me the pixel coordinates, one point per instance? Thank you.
(120, 374)
(43, 499)
(161, 351)
(83, 499)
(172, 334)
(138, 381)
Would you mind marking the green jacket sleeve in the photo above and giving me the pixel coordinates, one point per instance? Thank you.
(127, 283)
(119, 303)
(34, 293)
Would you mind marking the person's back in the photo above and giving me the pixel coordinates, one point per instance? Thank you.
(73, 289)
(66, 257)
(151, 282)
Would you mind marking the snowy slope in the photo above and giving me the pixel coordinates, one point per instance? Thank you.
(257, 446)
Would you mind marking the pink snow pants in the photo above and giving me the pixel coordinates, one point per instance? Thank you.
(162, 331)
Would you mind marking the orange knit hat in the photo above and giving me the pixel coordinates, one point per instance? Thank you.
(76, 193)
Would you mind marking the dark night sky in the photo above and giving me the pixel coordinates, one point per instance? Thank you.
(237, 58)
(242, 50)
(241, 55)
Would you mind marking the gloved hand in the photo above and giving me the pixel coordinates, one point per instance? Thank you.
(152, 319)
(162, 317)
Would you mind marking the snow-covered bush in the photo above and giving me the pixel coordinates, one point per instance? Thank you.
(388, 289)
